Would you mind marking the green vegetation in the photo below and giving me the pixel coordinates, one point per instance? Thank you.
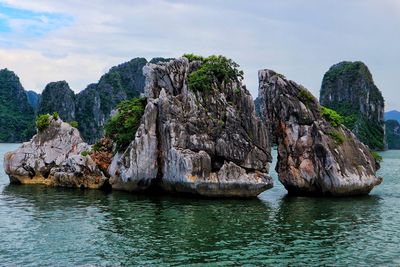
(306, 97)
(17, 119)
(393, 134)
(349, 70)
(338, 137)
(332, 116)
(376, 156)
(74, 124)
(55, 115)
(371, 133)
(281, 76)
(192, 57)
(85, 153)
(122, 127)
(96, 147)
(42, 122)
(214, 70)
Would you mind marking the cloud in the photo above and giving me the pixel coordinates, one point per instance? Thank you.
(301, 39)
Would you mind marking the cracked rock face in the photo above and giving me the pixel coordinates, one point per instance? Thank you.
(205, 143)
(314, 157)
(53, 157)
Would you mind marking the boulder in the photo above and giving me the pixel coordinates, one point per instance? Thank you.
(53, 157)
(316, 156)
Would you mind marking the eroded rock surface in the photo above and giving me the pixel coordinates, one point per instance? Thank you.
(53, 157)
(314, 157)
(205, 143)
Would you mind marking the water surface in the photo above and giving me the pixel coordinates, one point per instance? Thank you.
(69, 227)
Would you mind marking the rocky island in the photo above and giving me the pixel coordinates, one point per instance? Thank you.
(196, 134)
(195, 131)
(317, 155)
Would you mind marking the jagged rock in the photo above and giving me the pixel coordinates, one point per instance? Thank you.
(58, 97)
(53, 157)
(314, 157)
(349, 89)
(136, 168)
(205, 143)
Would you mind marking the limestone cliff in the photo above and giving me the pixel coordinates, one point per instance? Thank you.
(208, 142)
(58, 97)
(16, 115)
(349, 89)
(316, 154)
(95, 103)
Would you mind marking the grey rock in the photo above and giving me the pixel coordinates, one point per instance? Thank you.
(137, 167)
(205, 143)
(53, 157)
(310, 160)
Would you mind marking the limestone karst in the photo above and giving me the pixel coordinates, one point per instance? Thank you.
(349, 89)
(317, 155)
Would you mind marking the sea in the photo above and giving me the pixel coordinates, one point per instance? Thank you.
(42, 226)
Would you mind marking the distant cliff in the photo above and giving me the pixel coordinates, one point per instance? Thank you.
(33, 99)
(392, 115)
(95, 103)
(92, 107)
(16, 115)
(348, 88)
(57, 96)
(393, 134)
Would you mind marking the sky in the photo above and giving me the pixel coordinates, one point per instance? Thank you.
(78, 41)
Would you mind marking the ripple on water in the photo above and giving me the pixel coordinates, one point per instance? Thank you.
(53, 226)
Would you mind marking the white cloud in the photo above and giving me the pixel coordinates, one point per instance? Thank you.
(301, 39)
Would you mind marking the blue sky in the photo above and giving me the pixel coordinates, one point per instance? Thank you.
(29, 23)
(77, 41)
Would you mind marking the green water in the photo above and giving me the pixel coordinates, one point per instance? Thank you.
(42, 226)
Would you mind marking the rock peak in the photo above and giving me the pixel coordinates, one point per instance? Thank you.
(349, 89)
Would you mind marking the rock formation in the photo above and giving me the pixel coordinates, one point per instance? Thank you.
(197, 132)
(54, 157)
(33, 99)
(316, 155)
(58, 97)
(91, 108)
(393, 134)
(16, 115)
(349, 89)
(208, 143)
